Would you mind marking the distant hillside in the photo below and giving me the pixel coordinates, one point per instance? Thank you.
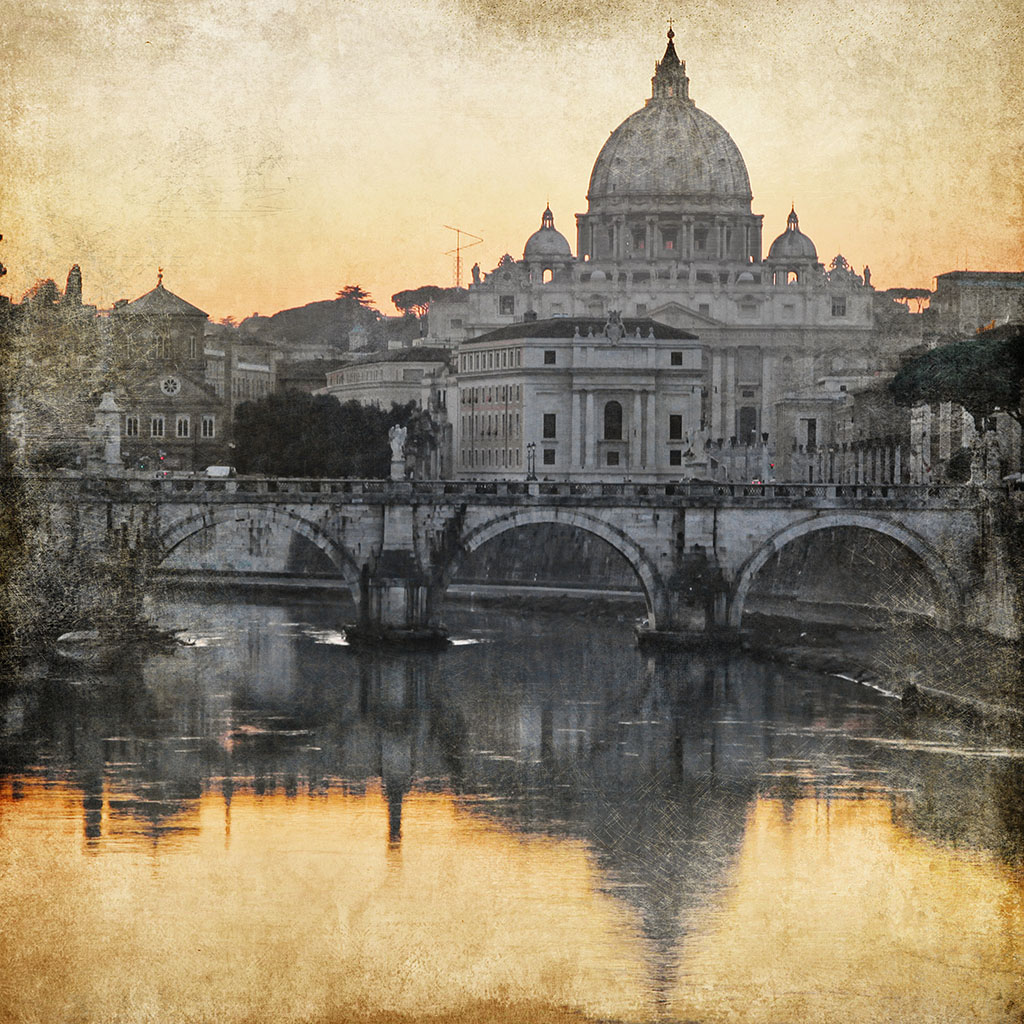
(328, 323)
(317, 323)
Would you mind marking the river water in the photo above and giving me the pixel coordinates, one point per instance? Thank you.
(539, 824)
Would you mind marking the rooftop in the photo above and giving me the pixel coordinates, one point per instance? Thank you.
(566, 327)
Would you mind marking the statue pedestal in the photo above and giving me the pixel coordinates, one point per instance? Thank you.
(398, 469)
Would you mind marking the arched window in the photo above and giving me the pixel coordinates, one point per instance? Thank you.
(612, 421)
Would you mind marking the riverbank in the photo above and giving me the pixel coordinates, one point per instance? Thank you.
(966, 674)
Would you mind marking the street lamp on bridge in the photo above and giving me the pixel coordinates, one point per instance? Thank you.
(531, 460)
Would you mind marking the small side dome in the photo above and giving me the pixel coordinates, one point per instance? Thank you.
(598, 275)
(792, 243)
(744, 277)
(547, 242)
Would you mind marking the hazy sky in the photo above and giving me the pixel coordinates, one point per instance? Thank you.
(265, 154)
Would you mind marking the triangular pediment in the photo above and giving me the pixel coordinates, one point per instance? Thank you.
(160, 387)
(677, 315)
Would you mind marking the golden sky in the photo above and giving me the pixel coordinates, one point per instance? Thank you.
(267, 153)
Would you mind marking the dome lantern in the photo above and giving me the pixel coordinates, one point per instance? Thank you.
(670, 81)
(547, 243)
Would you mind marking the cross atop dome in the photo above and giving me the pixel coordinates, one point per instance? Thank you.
(670, 81)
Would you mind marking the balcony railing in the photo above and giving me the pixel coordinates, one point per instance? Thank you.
(297, 489)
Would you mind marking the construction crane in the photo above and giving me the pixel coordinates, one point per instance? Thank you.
(457, 251)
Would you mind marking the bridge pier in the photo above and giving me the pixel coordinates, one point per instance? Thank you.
(396, 606)
(698, 605)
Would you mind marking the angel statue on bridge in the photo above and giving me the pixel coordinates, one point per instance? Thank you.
(397, 435)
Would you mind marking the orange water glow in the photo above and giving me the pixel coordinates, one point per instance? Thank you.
(296, 909)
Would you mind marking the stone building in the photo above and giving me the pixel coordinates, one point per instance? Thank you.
(586, 398)
(173, 418)
(394, 377)
(968, 300)
(669, 235)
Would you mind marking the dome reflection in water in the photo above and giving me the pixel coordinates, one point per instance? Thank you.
(271, 823)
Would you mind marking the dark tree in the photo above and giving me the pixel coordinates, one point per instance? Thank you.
(298, 434)
(983, 374)
(417, 300)
(354, 293)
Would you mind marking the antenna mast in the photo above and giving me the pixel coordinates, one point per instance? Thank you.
(457, 251)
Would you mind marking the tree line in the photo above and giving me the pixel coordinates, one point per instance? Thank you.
(298, 434)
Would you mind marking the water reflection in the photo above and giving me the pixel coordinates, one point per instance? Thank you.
(623, 819)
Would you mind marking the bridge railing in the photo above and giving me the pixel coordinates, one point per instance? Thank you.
(198, 488)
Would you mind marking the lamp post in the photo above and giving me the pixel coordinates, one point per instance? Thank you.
(531, 460)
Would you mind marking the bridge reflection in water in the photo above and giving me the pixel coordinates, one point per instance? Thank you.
(270, 824)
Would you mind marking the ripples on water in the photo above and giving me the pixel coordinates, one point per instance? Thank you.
(268, 825)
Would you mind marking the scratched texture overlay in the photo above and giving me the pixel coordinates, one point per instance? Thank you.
(541, 823)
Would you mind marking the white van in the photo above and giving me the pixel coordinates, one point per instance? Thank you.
(220, 470)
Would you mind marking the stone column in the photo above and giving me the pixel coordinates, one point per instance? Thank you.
(16, 429)
(636, 433)
(768, 395)
(945, 418)
(716, 396)
(106, 431)
(574, 431)
(588, 432)
(652, 456)
(729, 395)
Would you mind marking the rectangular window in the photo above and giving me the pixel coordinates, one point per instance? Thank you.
(812, 433)
(156, 426)
(704, 309)
(839, 305)
(612, 458)
(456, 323)
(641, 309)
(209, 426)
(675, 457)
(549, 456)
(181, 426)
(506, 305)
(549, 357)
(668, 237)
(549, 425)
(677, 358)
(131, 426)
(675, 427)
(193, 345)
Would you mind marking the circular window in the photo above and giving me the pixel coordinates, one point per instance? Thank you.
(170, 385)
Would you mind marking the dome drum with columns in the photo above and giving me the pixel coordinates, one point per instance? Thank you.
(669, 184)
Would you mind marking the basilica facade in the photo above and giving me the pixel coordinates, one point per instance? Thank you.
(775, 341)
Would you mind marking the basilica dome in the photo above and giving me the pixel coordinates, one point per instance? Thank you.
(792, 244)
(546, 242)
(670, 148)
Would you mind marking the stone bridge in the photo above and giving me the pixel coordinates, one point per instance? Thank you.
(695, 548)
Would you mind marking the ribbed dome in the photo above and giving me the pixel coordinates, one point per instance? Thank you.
(670, 148)
(546, 241)
(792, 243)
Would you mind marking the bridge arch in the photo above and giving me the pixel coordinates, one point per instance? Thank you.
(655, 591)
(945, 582)
(182, 529)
